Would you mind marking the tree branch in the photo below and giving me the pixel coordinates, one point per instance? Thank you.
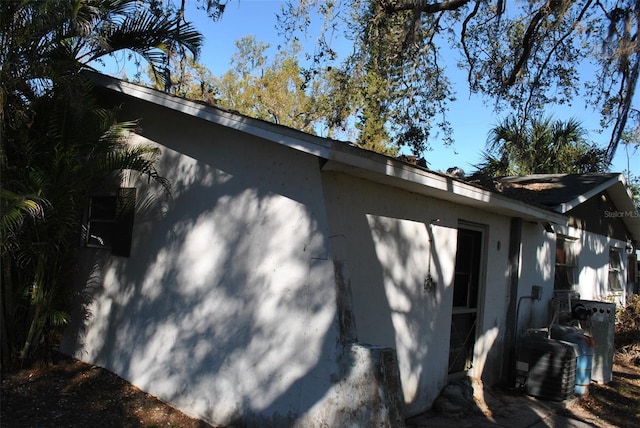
(627, 89)
(424, 6)
(463, 40)
(564, 37)
(527, 44)
(558, 43)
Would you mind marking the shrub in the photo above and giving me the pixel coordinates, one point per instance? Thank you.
(627, 339)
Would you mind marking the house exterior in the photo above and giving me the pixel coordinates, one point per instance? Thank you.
(293, 280)
(598, 245)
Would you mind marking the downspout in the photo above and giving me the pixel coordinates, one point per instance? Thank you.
(510, 336)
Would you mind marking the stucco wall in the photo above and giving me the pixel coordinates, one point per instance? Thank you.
(388, 237)
(227, 306)
(536, 268)
(593, 265)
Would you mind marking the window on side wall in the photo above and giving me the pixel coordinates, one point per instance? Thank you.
(615, 269)
(110, 221)
(566, 264)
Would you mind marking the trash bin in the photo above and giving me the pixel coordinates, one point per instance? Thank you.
(584, 359)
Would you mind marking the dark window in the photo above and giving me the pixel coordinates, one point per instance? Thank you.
(110, 221)
(566, 264)
(102, 218)
(615, 269)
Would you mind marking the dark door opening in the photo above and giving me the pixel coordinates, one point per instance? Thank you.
(465, 299)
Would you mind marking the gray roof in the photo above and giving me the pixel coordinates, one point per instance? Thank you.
(552, 190)
(563, 192)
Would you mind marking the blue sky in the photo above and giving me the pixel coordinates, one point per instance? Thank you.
(471, 119)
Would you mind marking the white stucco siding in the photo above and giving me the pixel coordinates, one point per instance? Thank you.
(537, 267)
(593, 265)
(226, 307)
(393, 239)
(537, 259)
(493, 294)
(402, 249)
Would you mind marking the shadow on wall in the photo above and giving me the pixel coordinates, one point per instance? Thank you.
(226, 307)
(594, 270)
(537, 263)
(413, 305)
(386, 246)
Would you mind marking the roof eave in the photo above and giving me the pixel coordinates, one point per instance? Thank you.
(342, 156)
(386, 170)
(569, 205)
(623, 201)
(622, 198)
(298, 140)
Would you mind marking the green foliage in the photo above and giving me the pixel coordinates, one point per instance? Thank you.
(65, 155)
(523, 56)
(15, 209)
(57, 146)
(627, 336)
(273, 91)
(373, 116)
(279, 90)
(542, 146)
(633, 182)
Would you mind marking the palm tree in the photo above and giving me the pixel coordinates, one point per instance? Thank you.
(543, 146)
(57, 145)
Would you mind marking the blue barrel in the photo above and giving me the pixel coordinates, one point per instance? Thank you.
(584, 360)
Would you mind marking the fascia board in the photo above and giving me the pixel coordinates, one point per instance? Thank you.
(388, 171)
(567, 206)
(341, 156)
(622, 198)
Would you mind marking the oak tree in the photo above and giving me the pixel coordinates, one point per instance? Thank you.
(523, 56)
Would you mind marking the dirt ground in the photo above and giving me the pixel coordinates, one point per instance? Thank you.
(73, 394)
(616, 404)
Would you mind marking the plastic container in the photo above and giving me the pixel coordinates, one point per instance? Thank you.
(584, 360)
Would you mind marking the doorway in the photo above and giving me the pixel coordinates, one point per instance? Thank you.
(466, 289)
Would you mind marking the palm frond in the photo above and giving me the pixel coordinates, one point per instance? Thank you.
(490, 167)
(141, 158)
(58, 144)
(117, 133)
(58, 318)
(146, 34)
(16, 208)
